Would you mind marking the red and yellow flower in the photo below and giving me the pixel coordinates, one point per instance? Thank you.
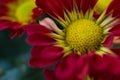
(80, 32)
(15, 14)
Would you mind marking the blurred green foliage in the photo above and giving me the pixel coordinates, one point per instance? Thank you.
(14, 55)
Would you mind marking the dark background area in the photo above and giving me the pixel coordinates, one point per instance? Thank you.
(14, 56)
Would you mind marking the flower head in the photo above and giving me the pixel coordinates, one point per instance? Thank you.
(80, 31)
(15, 14)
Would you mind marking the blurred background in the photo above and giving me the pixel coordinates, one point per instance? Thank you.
(14, 55)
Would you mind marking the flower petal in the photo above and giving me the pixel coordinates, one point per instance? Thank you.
(85, 5)
(116, 51)
(114, 8)
(82, 67)
(116, 40)
(40, 39)
(111, 71)
(114, 64)
(7, 1)
(5, 24)
(50, 24)
(49, 75)
(36, 13)
(52, 52)
(36, 51)
(97, 63)
(34, 28)
(18, 32)
(3, 9)
(46, 57)
(69, 4)
(52, 7)
(116, 30)
(66, 68)
(109, 41)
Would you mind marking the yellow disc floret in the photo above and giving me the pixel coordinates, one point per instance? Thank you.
(24, 11)
(84, 36)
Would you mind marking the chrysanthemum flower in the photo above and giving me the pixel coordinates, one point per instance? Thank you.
(14, 14)
(80, 31)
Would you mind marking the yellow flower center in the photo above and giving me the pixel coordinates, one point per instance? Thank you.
(84, 36)
(24, 11)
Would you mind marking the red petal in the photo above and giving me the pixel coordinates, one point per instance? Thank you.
(114, 64)
(14, 27)
(82, 67)
(116, 12)
(3, 10)
(69, 4)
(116, 30)
(66, 68)
(40, 63)
(40, 39)
(49, 75)
(5, 24)
(114, 8)
(84, 5)
(36, 51)
(52, 7)
(109, 41)
(97, 63)
(112, 71)
(7, 1)
(46, 57)
(16, 30)
(34, 28)
(52, 52)
(116, 51)
(36, 13)
(20, 32)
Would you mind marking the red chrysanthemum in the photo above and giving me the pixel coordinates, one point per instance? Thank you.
(81, 32)
(14, 14)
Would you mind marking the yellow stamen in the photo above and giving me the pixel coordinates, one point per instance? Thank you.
(84, 36)
(24, 11)
(88, 78)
